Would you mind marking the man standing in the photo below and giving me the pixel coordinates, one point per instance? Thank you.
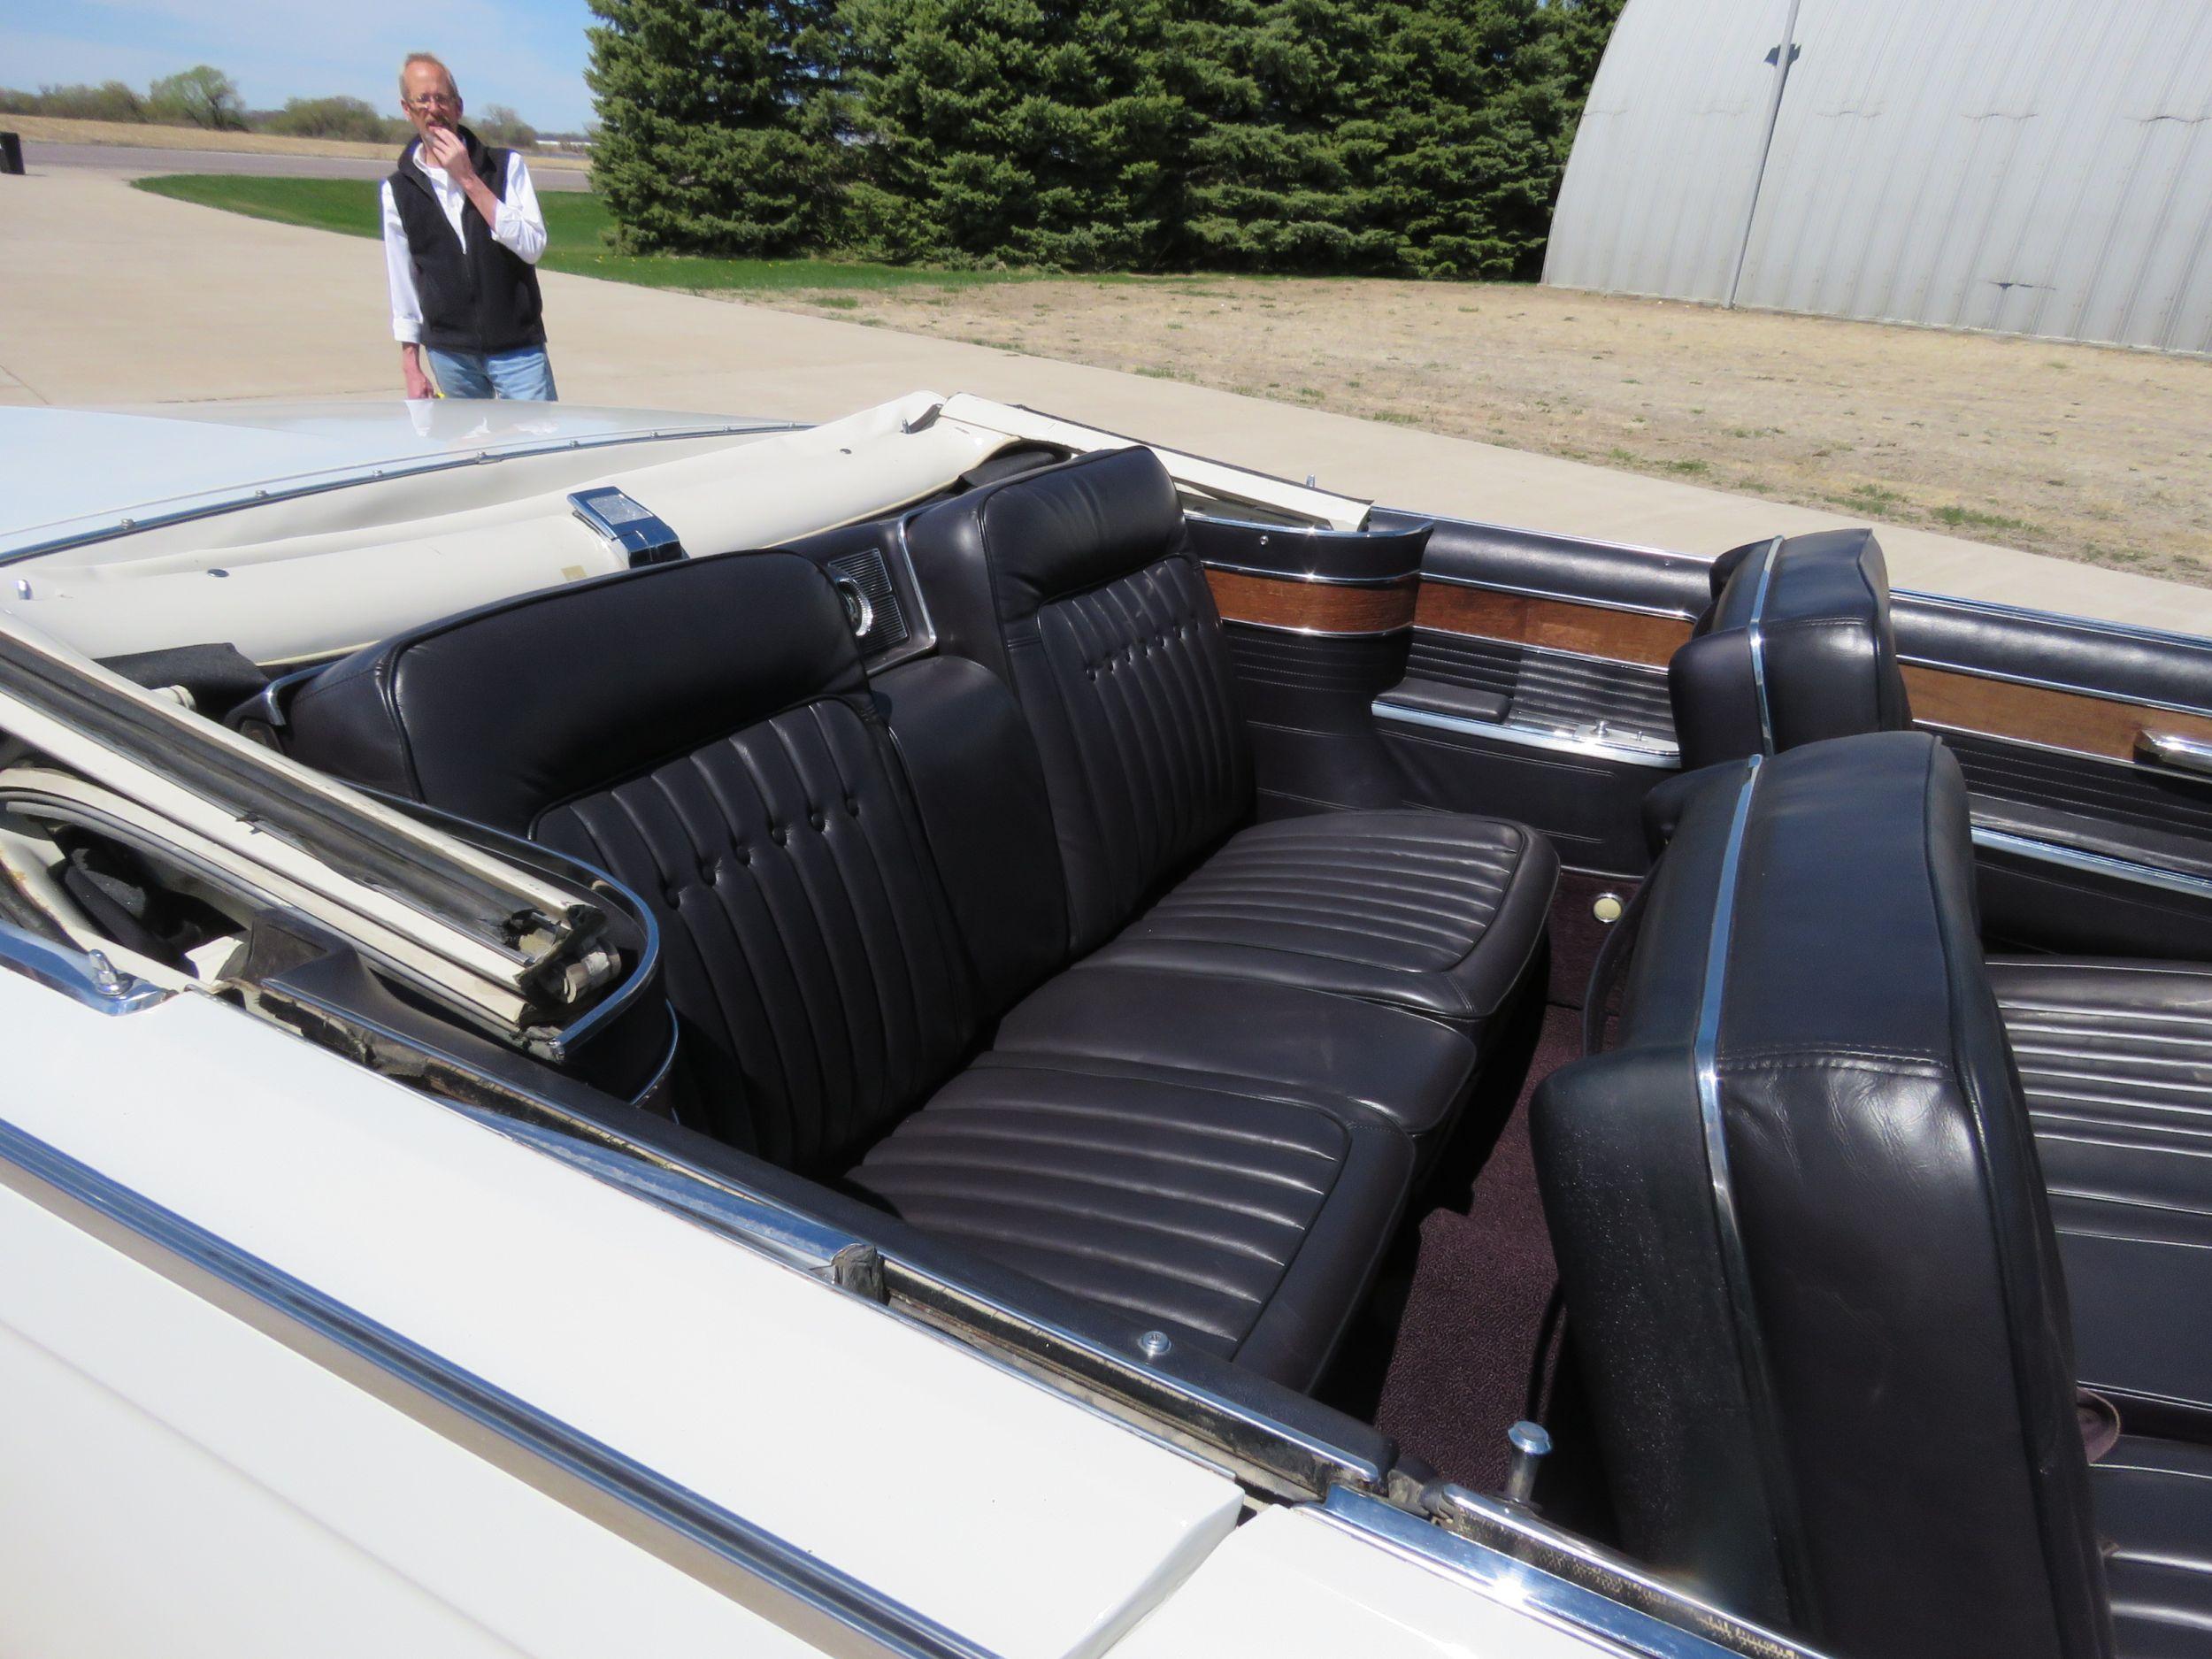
(461, 236)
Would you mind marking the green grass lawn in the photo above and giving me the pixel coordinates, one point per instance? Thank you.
(574, 223)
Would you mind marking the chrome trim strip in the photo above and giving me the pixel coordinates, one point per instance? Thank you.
(1565, 598)
(89, 981)
(353, 477)
(788, 1586)
(2105, 696)
(2172, 749)
(1756, 637)
(2028, 614)
(1320, 634)
(1999, 841)
(1550, 1599)
(1593, 1570)
(1403, 579)
(1705, 1058)
(1529, 737)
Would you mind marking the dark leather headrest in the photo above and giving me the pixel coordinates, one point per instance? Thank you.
(501, 713)
(1059, 531)
(1801, 1225)
(1803, 635)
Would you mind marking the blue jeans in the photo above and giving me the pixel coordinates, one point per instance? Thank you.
(527, 372)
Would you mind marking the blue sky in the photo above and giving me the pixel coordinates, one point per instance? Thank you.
(528, 53)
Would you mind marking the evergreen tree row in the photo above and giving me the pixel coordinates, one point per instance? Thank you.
(1407, 137)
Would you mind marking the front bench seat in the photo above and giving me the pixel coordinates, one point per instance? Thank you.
(706, 732)
(1802, 1234)
(2115, 1054)
(1075, 587)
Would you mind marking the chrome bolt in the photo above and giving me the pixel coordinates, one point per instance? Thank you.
(105, 976)
(1530, 1446)
(1155, 1345)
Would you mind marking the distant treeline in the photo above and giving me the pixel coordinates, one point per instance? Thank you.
(205, 96)
(1410, 137)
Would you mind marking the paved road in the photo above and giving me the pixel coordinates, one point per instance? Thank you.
(131, 161)
(114, 296)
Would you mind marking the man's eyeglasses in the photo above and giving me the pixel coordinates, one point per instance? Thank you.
(435, 100)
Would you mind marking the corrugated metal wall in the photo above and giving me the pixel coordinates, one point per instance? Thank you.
(2030, 167)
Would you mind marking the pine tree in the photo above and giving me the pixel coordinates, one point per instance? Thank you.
(1018, 132)
(1281, 173)
(719, 123)
(1470, 160)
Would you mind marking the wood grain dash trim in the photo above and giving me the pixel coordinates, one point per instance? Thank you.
(1556, 625)
(2040, 714)
(1313, 607)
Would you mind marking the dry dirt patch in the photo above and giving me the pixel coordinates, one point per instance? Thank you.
(2083, 452)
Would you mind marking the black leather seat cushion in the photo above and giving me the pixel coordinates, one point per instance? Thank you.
(1410, 1071)
(850, 885)
(1076, 586)
(1432, 912)
(1247, 1221)
(2115, 1058)
(1797, 647)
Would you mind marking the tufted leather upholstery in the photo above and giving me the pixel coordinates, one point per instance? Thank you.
(2115, 1059)
(1270, 1037)
(1244, 1222)
(853, 881)
(1794, 648)
(1819, 1302)
(1075, 587)
(816, 971)
(1427, 910)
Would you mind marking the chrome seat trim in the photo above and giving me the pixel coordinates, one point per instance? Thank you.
(2095, 863)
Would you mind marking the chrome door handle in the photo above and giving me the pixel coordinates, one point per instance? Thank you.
(2171, 748)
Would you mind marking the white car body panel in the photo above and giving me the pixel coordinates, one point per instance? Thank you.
(971, 1495)
(202, 1489)
(1295, 1581)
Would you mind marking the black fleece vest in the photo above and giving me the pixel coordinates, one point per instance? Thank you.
(481, 298)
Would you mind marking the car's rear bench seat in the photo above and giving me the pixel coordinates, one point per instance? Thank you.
(870, 897)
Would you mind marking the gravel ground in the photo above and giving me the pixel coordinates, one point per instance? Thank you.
(2083, 452)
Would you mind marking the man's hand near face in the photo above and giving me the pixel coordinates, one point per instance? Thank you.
(446, 151)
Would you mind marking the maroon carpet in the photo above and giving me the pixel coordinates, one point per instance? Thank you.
(1458, 1371)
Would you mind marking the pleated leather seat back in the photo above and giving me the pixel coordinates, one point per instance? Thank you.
(702, 732)
(1074, 586)
(1803, 1233)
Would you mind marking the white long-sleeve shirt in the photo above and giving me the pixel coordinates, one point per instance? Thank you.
(519, 228)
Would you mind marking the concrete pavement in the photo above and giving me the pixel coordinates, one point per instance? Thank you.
(116, 296)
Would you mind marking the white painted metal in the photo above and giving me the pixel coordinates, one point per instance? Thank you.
(1292, 1585)
(2026, 167)
(320, 575)
(999, 1508)
(173, 1483)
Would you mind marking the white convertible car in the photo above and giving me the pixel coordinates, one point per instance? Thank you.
(949, 1035)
